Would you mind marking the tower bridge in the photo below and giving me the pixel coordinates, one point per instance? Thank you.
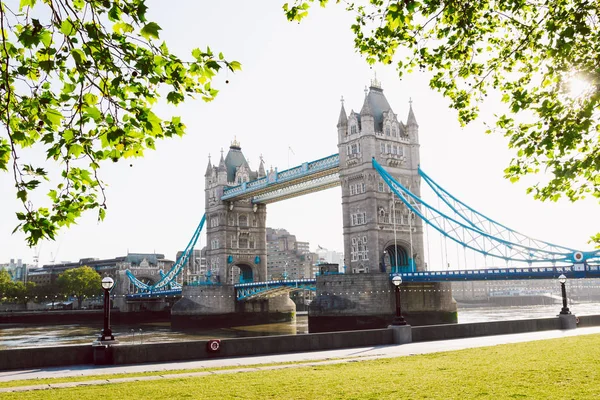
(377, 167)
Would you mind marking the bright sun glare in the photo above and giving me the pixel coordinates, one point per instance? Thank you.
(578, 86)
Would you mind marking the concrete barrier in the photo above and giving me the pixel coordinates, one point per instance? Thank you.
(192, 350)
(41, 357)
(456, 331)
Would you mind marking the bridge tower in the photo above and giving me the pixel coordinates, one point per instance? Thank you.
(380, 233)
(236, 230)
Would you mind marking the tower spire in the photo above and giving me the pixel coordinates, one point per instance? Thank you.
(343, 119)
(209, 167)
(412, 120)
(366, 108)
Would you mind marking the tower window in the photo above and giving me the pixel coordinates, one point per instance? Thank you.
(394, 131)
(353, 129)
(387, 131)
(243, 221)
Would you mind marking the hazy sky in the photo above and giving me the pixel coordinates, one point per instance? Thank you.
(287, 95)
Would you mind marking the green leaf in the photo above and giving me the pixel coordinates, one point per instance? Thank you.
(150, 30)
(54, 116)
(26, 3)
(76, 150)
(68, 27)
(94, 113)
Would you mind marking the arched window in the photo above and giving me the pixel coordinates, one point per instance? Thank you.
(243, 220)
(387, 130)
(394, 130)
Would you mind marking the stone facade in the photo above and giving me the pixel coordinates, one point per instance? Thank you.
(236, 230)
(379, 231)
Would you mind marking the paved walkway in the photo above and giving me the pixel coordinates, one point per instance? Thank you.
(302, 359)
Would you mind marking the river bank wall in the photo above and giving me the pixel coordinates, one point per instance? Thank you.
(42, 357)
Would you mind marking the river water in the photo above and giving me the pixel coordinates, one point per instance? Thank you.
(26, 335)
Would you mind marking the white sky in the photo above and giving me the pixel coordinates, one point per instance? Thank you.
(286, 96)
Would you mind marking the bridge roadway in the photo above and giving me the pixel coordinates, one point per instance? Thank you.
(276, 186)
(247, 291)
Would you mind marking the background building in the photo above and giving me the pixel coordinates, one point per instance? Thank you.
(136, 262)
(330, 257)
(17, 270)
(288, 258)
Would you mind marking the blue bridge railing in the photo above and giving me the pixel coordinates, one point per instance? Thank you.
(245, 291)
(300, 171)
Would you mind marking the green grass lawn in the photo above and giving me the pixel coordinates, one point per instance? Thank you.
(550, 369)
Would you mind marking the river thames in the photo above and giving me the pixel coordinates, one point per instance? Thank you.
(31, 335)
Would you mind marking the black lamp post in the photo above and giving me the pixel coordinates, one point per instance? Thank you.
(399, 319)
(564, 310)
(107, 284)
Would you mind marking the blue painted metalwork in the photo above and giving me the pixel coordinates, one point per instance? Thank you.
(203, 283)
(245, 291)
(502, 274)
(488, 225)
(286, 179)
(154, 295)
(175, 270)
(472, 237)
(172, 284)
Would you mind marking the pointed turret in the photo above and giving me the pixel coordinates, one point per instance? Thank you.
(412, 120)
(222, 171)
(343, 119)
(222, 166)
(209, 168)
(366, 108)
(261, 168)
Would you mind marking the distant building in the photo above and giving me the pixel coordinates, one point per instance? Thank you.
(17, 270)
(287, 257)
(330, 257)
(105, 267)
(194, 266)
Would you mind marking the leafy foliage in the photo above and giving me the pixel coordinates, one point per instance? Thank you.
(533, 53)
(78, 81)
(80, 282)
(15, 291)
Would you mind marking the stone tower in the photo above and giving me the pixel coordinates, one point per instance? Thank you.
(235, 230)
(380, 233)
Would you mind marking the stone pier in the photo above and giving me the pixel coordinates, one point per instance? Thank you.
(367, 301)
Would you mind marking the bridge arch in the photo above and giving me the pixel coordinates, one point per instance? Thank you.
(241, 273)
(397, 258)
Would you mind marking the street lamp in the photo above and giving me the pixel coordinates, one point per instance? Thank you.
(107, 284)
(399, 319)
(563, 279)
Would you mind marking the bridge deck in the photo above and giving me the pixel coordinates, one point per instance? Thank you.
(305, 178)
(247, 291)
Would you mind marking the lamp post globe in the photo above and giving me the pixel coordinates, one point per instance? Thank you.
(564, 310)
(107, 284)
(398, 319)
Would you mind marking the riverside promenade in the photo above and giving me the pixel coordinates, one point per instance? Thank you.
(301, 359)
